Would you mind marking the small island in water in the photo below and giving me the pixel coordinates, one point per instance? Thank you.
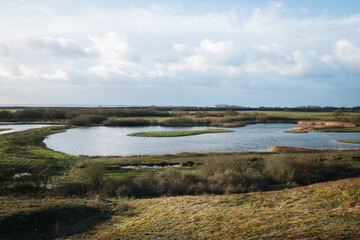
(178, 133)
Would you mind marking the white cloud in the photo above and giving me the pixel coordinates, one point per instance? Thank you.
(294, 64)
(8, 68)
(171, 47)
(222, 56)
(58, 75)
(115, 54)
(60, 46)
(347, 52)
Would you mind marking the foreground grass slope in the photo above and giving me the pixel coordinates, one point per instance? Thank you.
(328, 210)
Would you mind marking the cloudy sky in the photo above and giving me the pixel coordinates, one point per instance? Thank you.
(248, 53)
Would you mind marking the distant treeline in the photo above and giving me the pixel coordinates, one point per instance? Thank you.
(31, 114)
(221, 115)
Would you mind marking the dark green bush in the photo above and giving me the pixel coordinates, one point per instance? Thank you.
(70, 189)
(147, 185)
(127, 122)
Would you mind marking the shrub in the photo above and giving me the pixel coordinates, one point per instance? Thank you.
(278, 169)
(120, 188)
(127, 122)
(70, 189)
(94, 174)
(216, 164)
(177, 122)
(308, 171)
(146, 185)
(172, 182)
(229, 182)
(86, 120)
(40, 173)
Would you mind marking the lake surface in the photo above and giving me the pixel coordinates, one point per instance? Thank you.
(21, 127)
(108, 141)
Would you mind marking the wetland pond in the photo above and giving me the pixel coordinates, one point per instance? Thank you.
(113, 141)
(10, 128)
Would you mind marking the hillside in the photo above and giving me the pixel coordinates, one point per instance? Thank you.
(328, 210)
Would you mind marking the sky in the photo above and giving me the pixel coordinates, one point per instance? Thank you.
(180, 53)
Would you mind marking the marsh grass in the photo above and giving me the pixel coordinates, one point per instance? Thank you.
(295, 131)
(348, 141)
(345, 129)
(178, 133)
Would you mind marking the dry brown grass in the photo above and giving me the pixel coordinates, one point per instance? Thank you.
(320, 211)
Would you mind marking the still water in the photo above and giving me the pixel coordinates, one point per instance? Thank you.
(111, 141)
(20, 127)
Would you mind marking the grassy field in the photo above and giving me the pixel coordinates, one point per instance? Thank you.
(4, 129)
(328, 210)
(348, 141)
(178, 133)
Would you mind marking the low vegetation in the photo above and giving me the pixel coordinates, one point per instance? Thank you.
(295, 131)
(178, 133)
(349, 141)
(4, 129)
(345, 129)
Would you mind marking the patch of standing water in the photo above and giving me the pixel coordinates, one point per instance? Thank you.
(113, 141)
(21, 127)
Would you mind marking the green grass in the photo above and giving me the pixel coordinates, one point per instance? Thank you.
(345, 129)
(177, 133)
(4, 129)
(348, 141)
(295, 131)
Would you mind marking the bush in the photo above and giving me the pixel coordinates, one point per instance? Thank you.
(127, 122)
(94, 174)
(173, 182)
(147, 185)
(178, 122)
(308, 171)
(86, 120)
(70, 189)
(232, 182)
(278, 169)
(120, 188)
(40, 174)
(215, 165)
